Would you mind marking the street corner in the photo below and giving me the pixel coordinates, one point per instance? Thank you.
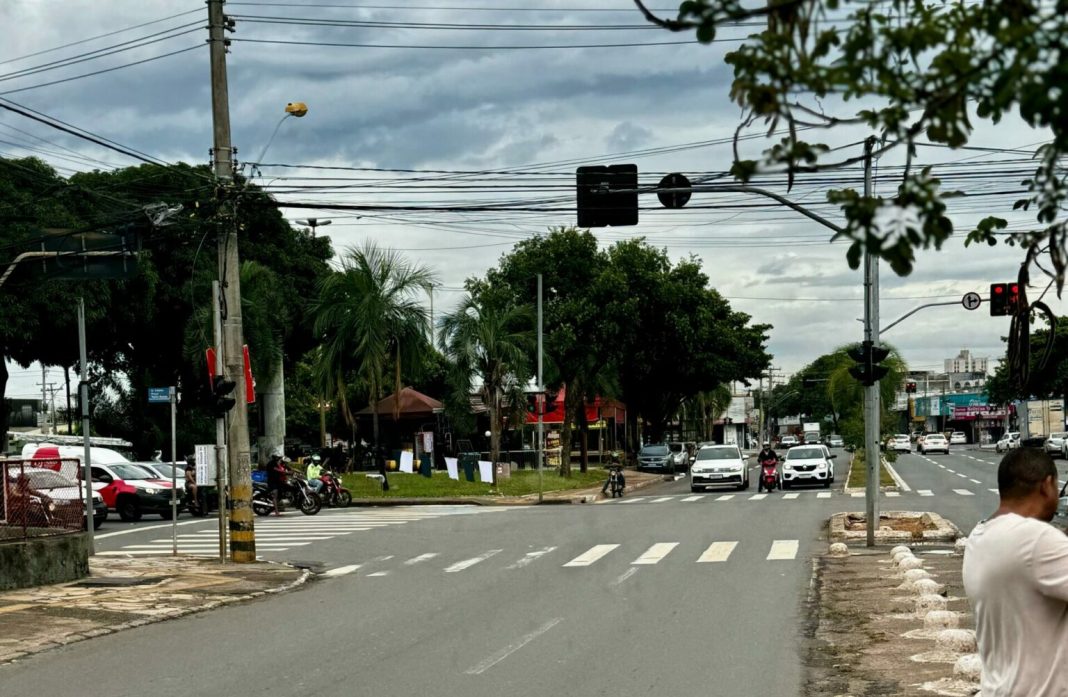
(126, 592)
(888, 620)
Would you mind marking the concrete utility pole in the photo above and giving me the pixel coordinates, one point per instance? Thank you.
(242, 533)
(872, 410)
(44, 400)
(541, 402)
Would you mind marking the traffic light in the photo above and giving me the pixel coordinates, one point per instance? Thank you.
(868, 357)
(532, 403)
(550, 401)
(1004, 298)
(910, 388)
(607, 195)
(222, 392)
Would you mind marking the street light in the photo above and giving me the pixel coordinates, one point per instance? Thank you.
(314, 223)
(296, 109)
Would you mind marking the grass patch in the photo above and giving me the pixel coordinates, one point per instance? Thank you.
(522, 482)
(858, 475)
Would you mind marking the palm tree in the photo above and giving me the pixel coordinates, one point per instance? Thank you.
(369, 316)
(492, 344)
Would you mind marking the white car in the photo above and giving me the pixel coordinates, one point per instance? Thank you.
(901, 443)
(935, 442)
(1008, 441)
(162, 470)
(718, 465)
(788, 441)
(958, 438)
(1055, 443)
(807, 464)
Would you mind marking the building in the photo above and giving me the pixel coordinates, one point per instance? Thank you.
(966, 363)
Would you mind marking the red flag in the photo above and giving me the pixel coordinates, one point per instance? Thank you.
(250, 384)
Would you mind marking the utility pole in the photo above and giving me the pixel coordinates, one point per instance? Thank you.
(242, 533)
(872, 410)
(44, 400)
(541, 402)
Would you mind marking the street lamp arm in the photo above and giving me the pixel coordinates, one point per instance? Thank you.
(745, 189)
(913, 311)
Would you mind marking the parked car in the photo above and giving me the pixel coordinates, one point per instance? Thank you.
(691, 451)
(656, 457)
(935, 442)
(163, 471)
(958, 438)
(133, 491)
(55, 497)
(1008, 441)
(835, 441)
(788, 441)
(900, 443)
(718, 465)
(680, 459)
(920, 439)
(1055, 443)
(807, 464)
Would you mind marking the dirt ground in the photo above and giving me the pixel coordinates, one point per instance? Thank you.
(857, 621)
(916, 526)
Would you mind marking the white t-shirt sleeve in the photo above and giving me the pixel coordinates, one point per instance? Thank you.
(1049, 561)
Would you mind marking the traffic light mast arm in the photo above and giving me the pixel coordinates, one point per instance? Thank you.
(913, 311)
(745, 189)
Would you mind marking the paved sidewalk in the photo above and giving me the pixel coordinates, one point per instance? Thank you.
(122, 593)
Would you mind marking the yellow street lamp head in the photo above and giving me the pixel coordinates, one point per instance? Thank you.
(297, 109)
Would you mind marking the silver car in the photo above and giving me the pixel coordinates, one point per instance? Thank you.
(1055, 443)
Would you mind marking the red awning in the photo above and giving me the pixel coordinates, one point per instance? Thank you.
(599, 409)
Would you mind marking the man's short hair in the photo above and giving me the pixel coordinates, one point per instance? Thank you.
(1022, 470)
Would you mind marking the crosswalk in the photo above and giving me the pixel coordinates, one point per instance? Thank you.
(277, 534)
(619, 556)
(789, 496)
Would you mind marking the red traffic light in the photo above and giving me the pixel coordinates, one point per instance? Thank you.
(997, 288)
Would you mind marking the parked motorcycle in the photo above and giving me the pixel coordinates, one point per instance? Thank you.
(615, 483)
(769, 475)
(333, 493)
(296, 492)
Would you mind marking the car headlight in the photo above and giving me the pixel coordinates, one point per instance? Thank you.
(821, 467)
(150, 491)
(788, 468)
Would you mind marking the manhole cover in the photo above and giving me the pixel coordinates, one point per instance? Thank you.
(120, 581)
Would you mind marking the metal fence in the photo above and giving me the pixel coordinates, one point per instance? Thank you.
(38, 498)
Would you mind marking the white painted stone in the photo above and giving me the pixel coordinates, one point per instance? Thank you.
(968, 667)
(899, 549)
(941, 619)
(913, 575)
(959, 640)
(926, 603)
(839, 549)
(910, 563)
(902, 555)
(925, 586)
(959, 544)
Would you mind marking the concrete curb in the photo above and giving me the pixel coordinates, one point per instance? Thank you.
(847, 490)
(944, 531)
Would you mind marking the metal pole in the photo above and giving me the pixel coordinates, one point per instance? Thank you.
(541, 402)
(220, 423)
(44, 399)
(239, 458)
(83, 397)
(871, 393)
(174, 474)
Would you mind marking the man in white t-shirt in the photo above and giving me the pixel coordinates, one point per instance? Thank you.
(1016, 576)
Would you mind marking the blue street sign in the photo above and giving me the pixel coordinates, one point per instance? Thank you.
(159, 395)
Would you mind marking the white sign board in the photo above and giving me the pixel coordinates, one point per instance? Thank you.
(428, 441)
(205, 455)
(406, 462)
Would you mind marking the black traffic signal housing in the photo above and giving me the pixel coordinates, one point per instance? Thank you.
(532, 403)
(607, 196)
(550, 401)
(868, 356)
(910, 388)
(222, 395)
(1004, 299)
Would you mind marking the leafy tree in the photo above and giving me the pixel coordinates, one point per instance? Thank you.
(913, 70)
(1048, 379)
(490, 345)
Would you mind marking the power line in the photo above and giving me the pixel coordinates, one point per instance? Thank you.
(507, 47)
(360, 6)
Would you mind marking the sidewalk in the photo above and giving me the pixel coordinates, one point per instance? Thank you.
(125, 593)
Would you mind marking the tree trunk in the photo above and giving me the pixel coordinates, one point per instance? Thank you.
(3, 403)
(397, 386)
(584, 437)
(374, 411)
(495, 433)
(565, 432)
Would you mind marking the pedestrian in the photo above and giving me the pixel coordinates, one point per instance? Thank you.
(380, 453)
(1016, 577)
(276, 472)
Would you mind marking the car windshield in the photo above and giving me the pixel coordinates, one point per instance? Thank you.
(901, 438)
(1058, 435)
(805, 454)
(935, 438)
(654, 450)
(132, 472)
(675, 447)
(167, 470)
(718, 454)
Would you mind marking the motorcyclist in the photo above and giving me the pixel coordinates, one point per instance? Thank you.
(313, 472)
(766, 456)
(617, 472)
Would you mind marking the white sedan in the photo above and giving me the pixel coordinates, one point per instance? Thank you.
(935, 441)
(718, 465)
(958, 438)
(1055, 443)
(901, 443)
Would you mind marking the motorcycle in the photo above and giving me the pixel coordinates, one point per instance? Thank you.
(333, 493)
(616, 482)
(295, 492)
(769, 475)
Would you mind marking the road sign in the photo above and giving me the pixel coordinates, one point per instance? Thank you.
(159, 395)
(674, 199)
(971, 301)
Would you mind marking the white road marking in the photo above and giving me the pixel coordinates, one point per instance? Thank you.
(783, 549)
(893, 494)
(693, 498)
(962, 476)
(717, 552)
(791, 496)
(634, 500)
(341, 570)
(625, 575)
(942, 466)
(857, 494)
(656, 553)
(530, 557)
(963, 492)
(994, 491)
(662, 499)
(420, 559)
(468, 563)
(823, 495)
(925, 492)
(758, 497)
(143, 529)
(951, 471)
(378, 574)
(901, 483)
(725, 497)
(509, 650)
(974, 481)
(591, 555)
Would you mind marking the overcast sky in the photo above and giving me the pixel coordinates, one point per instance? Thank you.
(533, 113)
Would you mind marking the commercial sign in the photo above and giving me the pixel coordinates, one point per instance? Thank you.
(981, 412)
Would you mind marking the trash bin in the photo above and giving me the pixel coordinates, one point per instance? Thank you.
(469, 463)
(425, 465)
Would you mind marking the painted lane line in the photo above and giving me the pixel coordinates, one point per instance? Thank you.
(421, 558)
(531, 557)
(758, 497)
(688, 499)
(725, 497)
(378, 574)
(857, 494)
(717, 552)
(962, 476)
(942, 466)
(925, 492)
(634, 500)
(783, 549)
(509, 650)
(791, 496)
(341, 570)
(901, 483)
(963, 492)
(148, 527)
(893, 494)
(656, 553)
(994, 491)
(662, 499)
(591, 555)
(625, 575)
(951, 471)
(974, 481)
(823, 495)
(468, 563)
